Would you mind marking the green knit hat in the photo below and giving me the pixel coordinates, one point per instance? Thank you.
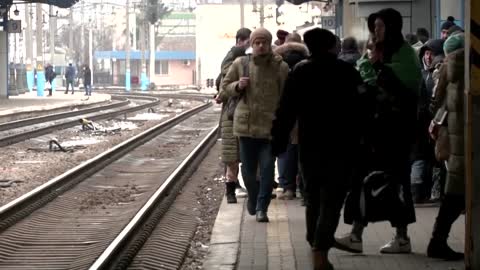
(454, 43)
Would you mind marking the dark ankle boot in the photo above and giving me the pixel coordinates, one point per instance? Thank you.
(230, 192)
(439, 249)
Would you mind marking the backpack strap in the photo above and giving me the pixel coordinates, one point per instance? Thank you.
(246, 66)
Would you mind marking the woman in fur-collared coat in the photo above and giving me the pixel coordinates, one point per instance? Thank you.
(292, 51)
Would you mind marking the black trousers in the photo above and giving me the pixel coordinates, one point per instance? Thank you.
(325, 191)
(451, 208)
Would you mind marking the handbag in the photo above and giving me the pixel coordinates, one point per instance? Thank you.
(381, 198)
(233, 101)
(442, 142)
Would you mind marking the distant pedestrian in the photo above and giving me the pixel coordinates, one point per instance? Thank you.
(87, 80)
(49, 77)
(70, 77)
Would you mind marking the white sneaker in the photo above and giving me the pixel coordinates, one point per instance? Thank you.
(349, 243)
(280, 193)
(241, 193)
(397, 245)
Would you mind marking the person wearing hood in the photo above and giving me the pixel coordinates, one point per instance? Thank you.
(396, 84)
(230, 153)
(292, 51)
(423, 153)
(449, 96)
(349, 52)
(258, 80)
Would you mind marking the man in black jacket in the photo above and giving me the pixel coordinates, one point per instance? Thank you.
(322, 93)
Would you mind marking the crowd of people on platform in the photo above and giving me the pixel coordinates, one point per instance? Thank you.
(373, 130)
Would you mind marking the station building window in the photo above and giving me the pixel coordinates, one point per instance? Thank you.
(161, 67)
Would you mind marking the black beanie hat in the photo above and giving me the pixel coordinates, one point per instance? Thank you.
(448, 23)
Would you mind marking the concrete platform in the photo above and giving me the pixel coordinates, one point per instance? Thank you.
(30, 103)
(239, 242)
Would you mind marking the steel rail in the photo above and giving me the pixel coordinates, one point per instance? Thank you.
(29, 202)
(110, 256)
(18, 137)
(51, 117)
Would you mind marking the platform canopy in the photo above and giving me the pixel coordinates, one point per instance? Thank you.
(299, 2)
(57, 3)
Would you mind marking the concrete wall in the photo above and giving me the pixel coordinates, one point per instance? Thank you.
(416, 13)
(3, 65)
(218, 24)
(451, 8)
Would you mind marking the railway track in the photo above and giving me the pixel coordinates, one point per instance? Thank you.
(17, 131)
(98, 211)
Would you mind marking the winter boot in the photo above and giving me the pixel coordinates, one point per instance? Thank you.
(439, 249)
(417, 193)
(230, 192)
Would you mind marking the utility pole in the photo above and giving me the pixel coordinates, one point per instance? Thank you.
(152, 51)
(262, 13)
(28, 47)
(242, 13)
(127, 49)
(4, 87)
(82, 34)
(53, 29)
(70, 36)
(39, 36)
(472, 135)
(28, 38)
(143, 76)
(90, 51)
